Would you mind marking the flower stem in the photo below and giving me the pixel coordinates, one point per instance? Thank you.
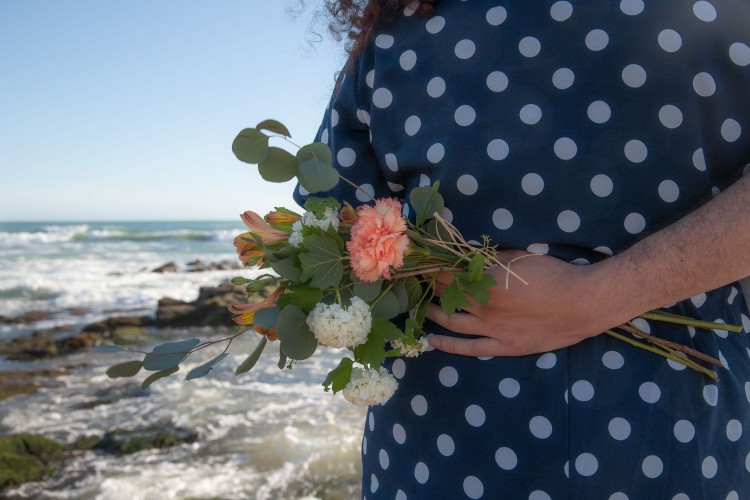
(682, 320)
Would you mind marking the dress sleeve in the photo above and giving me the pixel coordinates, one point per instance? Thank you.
(346, 130)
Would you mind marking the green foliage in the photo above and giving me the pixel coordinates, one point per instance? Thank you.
(202, 370)
(475, 270)
(318, 205)
(168, 354)
(413, 292)
(339, 376)
(250, 362)
(453, 298)
(278, 165)
(479, 290)
(126, 369)
(322, 263)
(425, 200)
(274, 126)
(158, 375)
(297, 341)
(289, 268)
(315, 171)
(302, 296)
(27, 457)
(250, 146)
(372, 352)
(266, 317)
(367, 291)
(388, 306)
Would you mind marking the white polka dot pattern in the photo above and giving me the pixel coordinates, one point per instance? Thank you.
(569, 129)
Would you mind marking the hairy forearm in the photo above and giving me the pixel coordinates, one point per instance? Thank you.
(706, 249)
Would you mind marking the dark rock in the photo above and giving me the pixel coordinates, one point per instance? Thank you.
(124, 442)
(46, 343)
(169, 267)
(209, 309)
(28, 317)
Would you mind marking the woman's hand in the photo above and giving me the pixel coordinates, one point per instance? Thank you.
(560, 305)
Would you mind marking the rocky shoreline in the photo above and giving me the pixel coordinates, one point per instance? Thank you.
(28, 457)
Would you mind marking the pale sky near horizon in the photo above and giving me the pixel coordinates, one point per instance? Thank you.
(127, 110)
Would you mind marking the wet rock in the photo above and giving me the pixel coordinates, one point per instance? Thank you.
(27, 457)
(25, 382)
(209, 309)
(122, 330)
(28, 317)
(224, 265)
(124, 442)
(169, 267)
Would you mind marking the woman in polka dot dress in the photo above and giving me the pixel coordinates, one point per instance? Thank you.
(572, 129)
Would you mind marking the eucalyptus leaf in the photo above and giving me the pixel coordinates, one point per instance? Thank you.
(315, 151)
(282, 360)
(158, 375)
(387, 307)
(266, 317)
(278, 165)
(202, 370)
(127, 369)
(250, 146)
(169, 354)
(316, 176)
(297, 341)
(250, 362)
(368, 291)
(399, 289)
(274, 126)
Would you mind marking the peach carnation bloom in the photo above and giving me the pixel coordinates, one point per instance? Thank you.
(377, 240)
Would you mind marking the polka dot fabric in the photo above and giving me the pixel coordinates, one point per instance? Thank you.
(571, 128)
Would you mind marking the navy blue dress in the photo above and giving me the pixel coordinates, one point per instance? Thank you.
(571, 128)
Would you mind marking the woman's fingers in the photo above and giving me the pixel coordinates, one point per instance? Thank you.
(464, 322)
(484, 346)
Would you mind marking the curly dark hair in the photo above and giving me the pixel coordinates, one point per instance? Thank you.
(357, 19)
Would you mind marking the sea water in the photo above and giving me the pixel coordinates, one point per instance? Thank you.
(268, 434)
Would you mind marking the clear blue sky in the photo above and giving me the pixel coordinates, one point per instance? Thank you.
(126, 110)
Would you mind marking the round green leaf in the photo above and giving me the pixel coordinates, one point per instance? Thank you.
(368, 291)
(274, 126)
(202, 370)
(278, 165)
(250, 146)
(297, 341)
(168, 355)
(315, 151)
(266, 317)
(127, 369)
(387, 307)
(316, 176)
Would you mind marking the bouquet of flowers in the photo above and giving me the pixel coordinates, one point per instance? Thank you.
(339, 276)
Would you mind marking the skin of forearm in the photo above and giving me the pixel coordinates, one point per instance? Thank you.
(706, 249)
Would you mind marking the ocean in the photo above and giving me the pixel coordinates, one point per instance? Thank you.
(266, 434)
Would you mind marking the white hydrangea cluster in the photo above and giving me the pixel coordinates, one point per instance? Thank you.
(370, 387)
(329, 218)
(411, 350)
(336, 326)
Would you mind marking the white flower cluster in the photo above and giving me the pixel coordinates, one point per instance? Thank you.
(330, 218)
(370, 387)
(336, 326)
(411, 350)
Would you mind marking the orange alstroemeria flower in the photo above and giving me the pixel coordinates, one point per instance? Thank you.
(257, 225)
(247, 311)
(348, 214)
(282, 218)
(248, 250)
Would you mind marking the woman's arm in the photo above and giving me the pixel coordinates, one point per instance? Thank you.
(564, 303)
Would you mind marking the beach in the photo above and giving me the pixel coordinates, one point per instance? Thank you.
(269, 434)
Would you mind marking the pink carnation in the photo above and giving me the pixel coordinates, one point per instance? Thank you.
(377, 240)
